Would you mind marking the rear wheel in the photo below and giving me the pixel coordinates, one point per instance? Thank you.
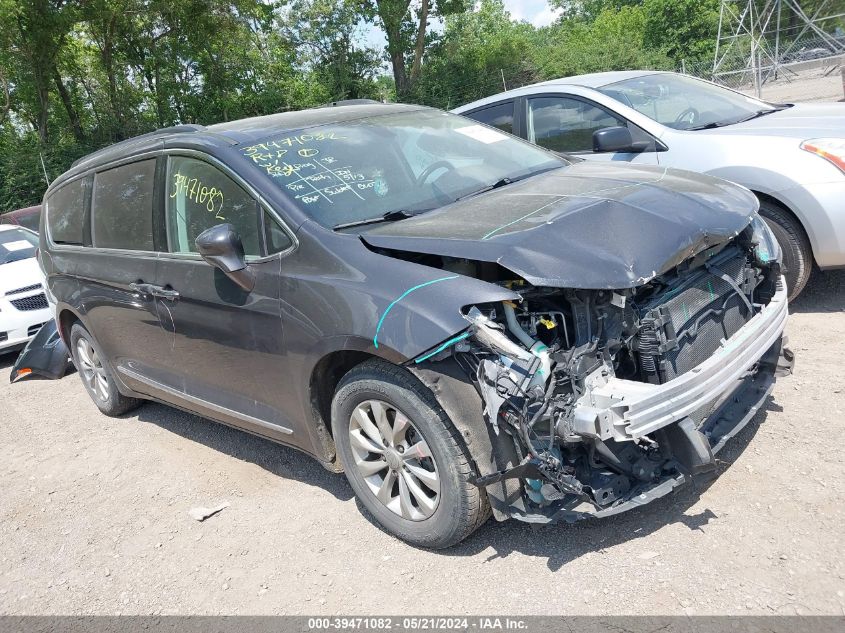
(797, 253)
(96, 374)
(403, 457)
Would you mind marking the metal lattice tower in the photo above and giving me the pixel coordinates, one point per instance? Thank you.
(752, 39)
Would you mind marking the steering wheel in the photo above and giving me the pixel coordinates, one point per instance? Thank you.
(690, 115)
(426, 173)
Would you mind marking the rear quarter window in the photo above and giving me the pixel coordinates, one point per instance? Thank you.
(122, 207)
(499, 116)
(66, 212)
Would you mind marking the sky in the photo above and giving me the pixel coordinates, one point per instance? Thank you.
(538, 12)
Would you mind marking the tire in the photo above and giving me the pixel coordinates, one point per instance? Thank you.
(97, 375)
(797, 253)
(459, 506)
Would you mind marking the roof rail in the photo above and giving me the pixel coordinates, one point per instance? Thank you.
(176, 129)
(346, 102)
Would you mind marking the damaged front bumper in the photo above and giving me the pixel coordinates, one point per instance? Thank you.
(46, 355)
(612, 442)
(624, 409)
(736, 411)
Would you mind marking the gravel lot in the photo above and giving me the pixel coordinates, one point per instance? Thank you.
(94, 518)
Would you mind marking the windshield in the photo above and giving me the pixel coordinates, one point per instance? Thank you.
(684, 103)
(393, 165)
(17, 244)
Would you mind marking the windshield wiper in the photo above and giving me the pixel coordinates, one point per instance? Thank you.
(715, 124)
(499, 183)
(390, 216)
(506, 181)
(758, 114)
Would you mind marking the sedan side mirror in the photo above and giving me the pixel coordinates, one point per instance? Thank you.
(614, 139)
(221, 247)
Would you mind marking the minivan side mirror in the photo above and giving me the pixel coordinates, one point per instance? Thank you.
(221, 247)
(614, 139)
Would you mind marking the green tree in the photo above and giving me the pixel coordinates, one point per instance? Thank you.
(615, 40)
(480, 52)
(683, 29)
(325, 32)
(32, 32)
(405, 28)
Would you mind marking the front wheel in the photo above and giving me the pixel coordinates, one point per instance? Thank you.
(797, 254)
(404, 458)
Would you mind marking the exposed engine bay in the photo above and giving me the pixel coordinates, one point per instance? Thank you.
(612, 397)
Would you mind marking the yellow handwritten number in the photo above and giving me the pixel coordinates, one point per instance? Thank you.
(193, 189)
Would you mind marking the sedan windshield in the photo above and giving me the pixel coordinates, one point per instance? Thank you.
(16, 244)
(685, 103)
(393, 166)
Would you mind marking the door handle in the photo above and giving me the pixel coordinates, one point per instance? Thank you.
(142, 288)
(165, 293)
(155, 291)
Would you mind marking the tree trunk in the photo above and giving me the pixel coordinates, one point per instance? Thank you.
(392, 12)
(72, 115)
(80, 77)
(420, 46)
(7, 99)
(157, 82)
(397, 60)
(43, 92)
(107, 57)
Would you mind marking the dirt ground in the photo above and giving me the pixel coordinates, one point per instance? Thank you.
(820, 80)
(805, 89)
(94, 518)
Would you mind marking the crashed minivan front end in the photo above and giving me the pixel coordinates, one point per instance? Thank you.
(457, 320)
(600, 400)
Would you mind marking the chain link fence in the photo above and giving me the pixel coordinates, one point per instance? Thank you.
(815, 71)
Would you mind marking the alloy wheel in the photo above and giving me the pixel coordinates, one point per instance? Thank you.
(394, 460)
(92, 371)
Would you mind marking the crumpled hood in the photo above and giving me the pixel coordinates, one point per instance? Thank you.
(801, 121)
(588, 225)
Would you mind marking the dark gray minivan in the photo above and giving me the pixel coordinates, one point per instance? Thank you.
(462, 322)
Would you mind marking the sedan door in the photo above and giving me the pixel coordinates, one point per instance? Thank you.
(566, 124)
(227, 348)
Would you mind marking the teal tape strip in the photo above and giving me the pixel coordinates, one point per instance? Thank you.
(504, 226)
(451, 341)
(402, 296)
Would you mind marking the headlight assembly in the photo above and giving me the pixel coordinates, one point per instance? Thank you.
(831, 149)
(766, 247)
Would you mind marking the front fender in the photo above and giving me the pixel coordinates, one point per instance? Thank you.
(816, 220)
(415, 318)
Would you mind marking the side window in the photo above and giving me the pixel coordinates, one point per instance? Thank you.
(66, 212)
(567, 125)
(122, 207)
(277, 239)
(498, 116)
(200, 196)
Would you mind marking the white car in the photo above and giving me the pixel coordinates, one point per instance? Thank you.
(791, 156)
(23, 303)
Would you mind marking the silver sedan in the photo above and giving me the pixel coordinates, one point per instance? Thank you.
(792, 156)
